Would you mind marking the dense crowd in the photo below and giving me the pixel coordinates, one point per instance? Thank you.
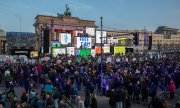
(124, 79)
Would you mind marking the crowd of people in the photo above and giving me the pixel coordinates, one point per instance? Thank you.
(125, 79)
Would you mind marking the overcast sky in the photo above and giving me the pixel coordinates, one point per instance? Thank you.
(117, 14)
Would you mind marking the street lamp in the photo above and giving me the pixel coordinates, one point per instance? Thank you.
(158, 47)
(101, 52)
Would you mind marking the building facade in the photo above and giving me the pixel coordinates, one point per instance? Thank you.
(125, 38)
(164, 38)
(58, 25)
(3, 44)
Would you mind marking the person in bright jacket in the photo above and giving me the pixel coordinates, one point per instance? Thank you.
(172, 89)
(49, 87)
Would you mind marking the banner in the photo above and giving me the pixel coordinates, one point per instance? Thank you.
(119, 50)
(45, 59)
(65, 38)
(107, 45)
(77, 52)
(56, 51)
(70, 51)
(90, 31)
(109, 40)
(76, 32)
(85, 52)
(93, 53)
(98, 50)
(106, 49)
(55, 44)
(84, 42)
(33, 54)
(98, 36)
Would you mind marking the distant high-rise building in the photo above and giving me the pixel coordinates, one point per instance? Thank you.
(3, 48)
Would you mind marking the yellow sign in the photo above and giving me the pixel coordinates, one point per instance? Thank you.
(122, 41)
(34, 54)
(119, 50)
(120, 38)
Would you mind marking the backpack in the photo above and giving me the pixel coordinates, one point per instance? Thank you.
(156, 103)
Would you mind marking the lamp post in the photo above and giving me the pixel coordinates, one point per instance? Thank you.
(101, 53)
(158, 47)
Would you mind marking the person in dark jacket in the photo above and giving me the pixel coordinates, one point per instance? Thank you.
(49, 101)
(127, 102)
(112, 100)
(177, 105)
(67, 90)
(73, 94)
(130, 91)
(55, 97)
(93, 101)
(40, 103)
(14, 102)
(24, 97)
(144, 92)
(136, 92)
(119, 98)
(26, 84)
(87, 100)
(43, 94)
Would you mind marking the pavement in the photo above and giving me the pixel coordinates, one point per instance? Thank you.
(103, 101)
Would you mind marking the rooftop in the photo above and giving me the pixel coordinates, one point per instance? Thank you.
(2, 32)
